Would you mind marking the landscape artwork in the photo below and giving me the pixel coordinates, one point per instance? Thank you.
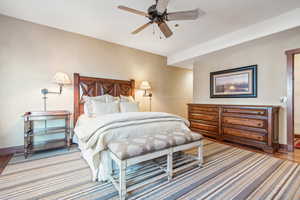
(234, 83)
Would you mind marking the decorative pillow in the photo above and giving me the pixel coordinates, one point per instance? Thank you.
(100, 108)
(88, 107)
(129, 107)
(126, 98)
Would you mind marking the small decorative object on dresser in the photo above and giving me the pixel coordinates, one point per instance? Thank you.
(251, 125)
(30, 118)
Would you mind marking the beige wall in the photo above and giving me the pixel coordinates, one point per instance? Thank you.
(269, 54)
(30, 54)
(297, 94)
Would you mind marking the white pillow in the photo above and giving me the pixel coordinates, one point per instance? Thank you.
(99, 98)
(109, 98)
(104, 98)
(117, 99)
(129, 107)
(88, 107)
(100, 108)
(126, 98)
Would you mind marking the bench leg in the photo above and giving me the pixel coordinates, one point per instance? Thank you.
(170, 166)
(122, 181)
(200, 154)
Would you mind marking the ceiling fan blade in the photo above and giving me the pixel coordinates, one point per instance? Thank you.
(185, 15)
(134, 11)
(141, 28)
(165, 29)
(161, 6)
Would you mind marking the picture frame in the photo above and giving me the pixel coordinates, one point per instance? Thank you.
(234, 83)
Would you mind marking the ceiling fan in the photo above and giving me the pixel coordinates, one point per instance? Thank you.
(158, 14)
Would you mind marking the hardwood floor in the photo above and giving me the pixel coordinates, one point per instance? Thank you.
(294, 156)
(3, 162)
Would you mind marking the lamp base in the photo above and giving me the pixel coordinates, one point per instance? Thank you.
(150, 99)
(45, 102)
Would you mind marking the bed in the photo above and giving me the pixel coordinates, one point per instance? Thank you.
(95, 133)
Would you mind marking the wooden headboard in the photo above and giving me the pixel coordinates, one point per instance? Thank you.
(90, 86)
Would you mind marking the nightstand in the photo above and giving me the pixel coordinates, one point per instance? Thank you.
(43, 117)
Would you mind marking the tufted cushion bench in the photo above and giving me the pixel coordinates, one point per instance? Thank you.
(132, 147)
(130, 151)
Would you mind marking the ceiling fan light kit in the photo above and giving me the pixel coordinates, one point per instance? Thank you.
(157, 14)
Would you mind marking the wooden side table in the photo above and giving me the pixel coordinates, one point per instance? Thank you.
(30, 131)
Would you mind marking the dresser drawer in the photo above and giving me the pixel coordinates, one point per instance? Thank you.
(245, 134)
(202, 126)
(245, 111)
(257, 123)
(201, 116)
(200, 109)
(206, 133)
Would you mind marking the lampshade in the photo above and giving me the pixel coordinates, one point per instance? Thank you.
(61, 78)
(145, 85)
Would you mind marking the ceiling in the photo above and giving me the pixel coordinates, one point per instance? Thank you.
(101, 19)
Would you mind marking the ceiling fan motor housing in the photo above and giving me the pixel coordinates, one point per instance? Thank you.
(154, 16)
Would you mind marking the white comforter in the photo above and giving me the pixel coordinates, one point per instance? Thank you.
(95, 133)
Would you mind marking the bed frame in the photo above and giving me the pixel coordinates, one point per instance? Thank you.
(90, 86)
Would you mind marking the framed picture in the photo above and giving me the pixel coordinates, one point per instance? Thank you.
(234, 83)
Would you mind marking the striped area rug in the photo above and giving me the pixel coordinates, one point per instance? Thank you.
(228, 173)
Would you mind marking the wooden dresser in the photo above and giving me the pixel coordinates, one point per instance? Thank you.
(255, 126)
